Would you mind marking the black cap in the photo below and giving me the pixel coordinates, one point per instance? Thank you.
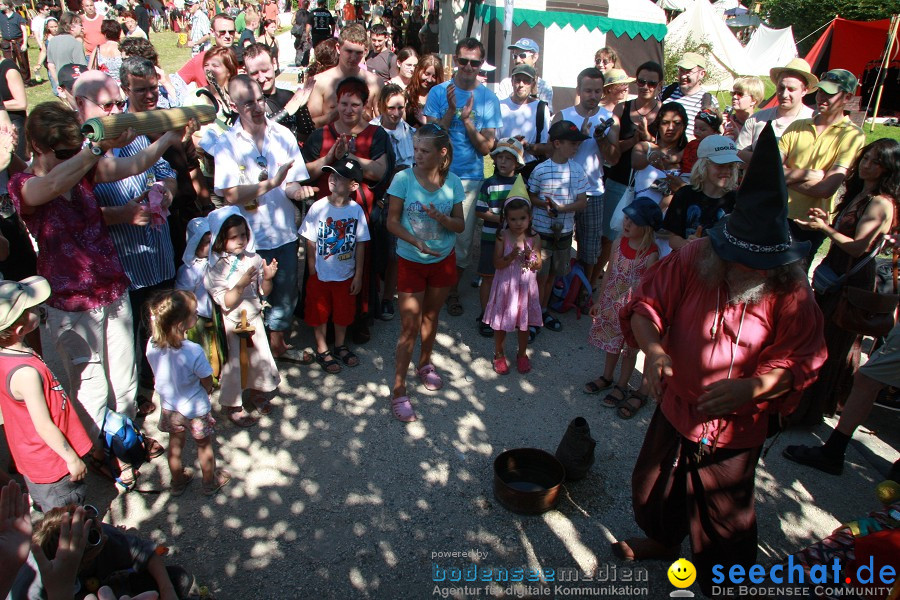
(68, 74)
(644, 212)
(566, 130)
(346, 167)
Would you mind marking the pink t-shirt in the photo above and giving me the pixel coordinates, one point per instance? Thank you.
(76, 255)
(192, 71)
(781, 332)
(92, 34)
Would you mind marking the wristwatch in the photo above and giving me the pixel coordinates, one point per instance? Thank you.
(95, 150)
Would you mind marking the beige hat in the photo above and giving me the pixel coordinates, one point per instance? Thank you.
(18, 296)
(514, 147)
(798, 67)
(689, 60)
(616, 76)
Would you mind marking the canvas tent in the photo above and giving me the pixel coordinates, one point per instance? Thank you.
(848, 45)
(570, 32)
(769, 48)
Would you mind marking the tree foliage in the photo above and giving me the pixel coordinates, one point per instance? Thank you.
(806, 16)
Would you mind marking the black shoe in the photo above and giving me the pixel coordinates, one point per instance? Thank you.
(387, 310)
(485, 330)
(815, 457)
(889, 398)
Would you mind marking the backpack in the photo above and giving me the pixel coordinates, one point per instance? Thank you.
(572, 291)
(121, 439)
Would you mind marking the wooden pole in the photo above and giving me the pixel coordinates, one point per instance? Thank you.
(892, 36)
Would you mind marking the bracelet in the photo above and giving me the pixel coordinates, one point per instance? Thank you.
(305, 124)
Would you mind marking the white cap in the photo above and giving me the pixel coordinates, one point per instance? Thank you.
(719, 149)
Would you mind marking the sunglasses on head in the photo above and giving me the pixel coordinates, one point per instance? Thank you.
(66, 153)
(465, 62)
(264, 165)
(646, 83)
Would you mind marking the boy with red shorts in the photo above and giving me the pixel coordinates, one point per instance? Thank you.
(336, 233)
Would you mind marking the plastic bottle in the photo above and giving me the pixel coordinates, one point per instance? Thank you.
(253, 204)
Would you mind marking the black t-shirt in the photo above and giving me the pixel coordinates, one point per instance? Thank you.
(245, 40)
(691, 209)
(276, 102)
(322, 23)
(17, 117)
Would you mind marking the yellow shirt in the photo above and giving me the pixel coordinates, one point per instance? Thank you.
(803, 147)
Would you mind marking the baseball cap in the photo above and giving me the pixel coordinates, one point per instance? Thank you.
(689, 60)
(566, 130)
(719, 149)
(513, 146)
(837, 80)
(526, 44)
(68, 74)
(18, 296)
(644, 212)
(527, 70)
(348, 168)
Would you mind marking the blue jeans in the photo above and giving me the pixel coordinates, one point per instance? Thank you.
(285, 286)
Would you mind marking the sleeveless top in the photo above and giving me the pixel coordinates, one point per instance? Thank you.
(621, 171)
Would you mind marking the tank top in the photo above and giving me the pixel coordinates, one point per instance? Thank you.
(621, 171)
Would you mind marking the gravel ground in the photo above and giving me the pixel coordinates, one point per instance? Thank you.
(333, 498)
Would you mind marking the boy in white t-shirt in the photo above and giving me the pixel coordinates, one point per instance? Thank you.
(336, 233)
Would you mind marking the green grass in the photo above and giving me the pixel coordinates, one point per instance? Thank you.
(170, 59)
(881, 132)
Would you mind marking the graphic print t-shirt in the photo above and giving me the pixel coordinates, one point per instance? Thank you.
(335, 231)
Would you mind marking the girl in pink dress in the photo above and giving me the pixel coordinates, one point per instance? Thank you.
(514, 304)
(631, 258)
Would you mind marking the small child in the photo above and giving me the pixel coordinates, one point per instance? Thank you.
(503, 184)
(707, 122)
(558, 189)
(336, 237)
(237, 278)
(46, 439)
(183, 382)
(631, 258)
(191, 277)
(514, 304)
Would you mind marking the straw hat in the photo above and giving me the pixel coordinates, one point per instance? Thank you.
(797, 67)
(615, 77)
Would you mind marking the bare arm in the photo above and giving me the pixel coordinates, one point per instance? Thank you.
(640, 156)
(114, 169)
(815, 183)
(157, 569)
(16, 86)
(373, 170)
(875, 221)
(482, 140)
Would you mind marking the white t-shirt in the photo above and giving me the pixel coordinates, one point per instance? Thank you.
(521, 119)
(588, 157)
(754, 125)
(335, 230)
(37, 27)
(273, 222)
(177, 373)
(101, 7)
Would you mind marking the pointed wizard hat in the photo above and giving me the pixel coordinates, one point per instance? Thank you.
(756, 233)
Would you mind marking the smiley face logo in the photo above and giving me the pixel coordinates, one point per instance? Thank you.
(682, 573)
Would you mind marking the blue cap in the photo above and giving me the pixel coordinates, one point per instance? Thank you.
(527, 44)
(644, 212)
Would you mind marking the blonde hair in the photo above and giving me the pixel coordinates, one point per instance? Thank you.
(648, 238)
(701, 167)
(440, 137)
(168, 311)
(752, 86)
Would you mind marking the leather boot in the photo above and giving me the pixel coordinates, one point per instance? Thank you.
(576, 450)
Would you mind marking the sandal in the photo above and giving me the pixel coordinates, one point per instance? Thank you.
(264, 406)
(294, 357)
(485, 330)
(501, 367)
(145, 406)
(154, 448)
(327, 362)
(454, 306)
(98, 466)
(592, 387)
(551, 322)
(628, 409)
(346, 356)
(222, 479)
(429, 377)
(180, 485)
(241, 417)
(611, 401)
(127, 479)
(403, 410)
(523, 364)
(532, 333)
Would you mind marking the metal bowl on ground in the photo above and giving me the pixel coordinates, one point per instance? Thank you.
(527, 480)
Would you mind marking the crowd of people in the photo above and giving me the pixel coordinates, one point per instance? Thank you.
(177, 262)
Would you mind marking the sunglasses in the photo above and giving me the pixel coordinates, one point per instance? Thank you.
(737, 94)
(227, 32)
(66, 153)
(263, 164)
(465, 62)
(107, 106)
(95, 535)
(646, 83)
(521, 55)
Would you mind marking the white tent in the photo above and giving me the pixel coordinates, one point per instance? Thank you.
(700, 24)
(678, 5)
(769, 48)
(720, 6)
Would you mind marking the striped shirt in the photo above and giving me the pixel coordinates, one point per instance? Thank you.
(692, 105)
(145, 251)
(563, 183)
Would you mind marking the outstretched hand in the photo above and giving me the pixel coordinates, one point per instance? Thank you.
(15, 527)
(657, 365)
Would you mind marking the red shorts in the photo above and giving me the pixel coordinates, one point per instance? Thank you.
(413, 277)
(329, 299)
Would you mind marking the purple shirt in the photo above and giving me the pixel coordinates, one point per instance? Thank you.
(76, 254)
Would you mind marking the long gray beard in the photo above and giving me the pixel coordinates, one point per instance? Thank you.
(744, 287)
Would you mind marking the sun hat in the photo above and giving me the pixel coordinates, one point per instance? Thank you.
(616, 76)
(798, 68)
(18, 296)
(719, 149)
(644, 212)
(756, 233)
(513, 146)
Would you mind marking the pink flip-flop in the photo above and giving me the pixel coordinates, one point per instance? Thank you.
(523, 364)
(429, 377)
(501, 367)
(403, 410)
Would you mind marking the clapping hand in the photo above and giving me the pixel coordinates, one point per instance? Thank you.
(817, 220)
(15, 527)
(281, 173)
(466, 111)
(270, 269)
(248, 277)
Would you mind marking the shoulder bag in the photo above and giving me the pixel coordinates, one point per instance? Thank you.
(869, 313)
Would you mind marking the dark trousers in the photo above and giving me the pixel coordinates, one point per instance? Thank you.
(711, 500)
(815, 239)
(12, 49)
(140, 310)
(131, 583)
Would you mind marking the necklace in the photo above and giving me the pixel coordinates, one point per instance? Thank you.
(652, 106)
